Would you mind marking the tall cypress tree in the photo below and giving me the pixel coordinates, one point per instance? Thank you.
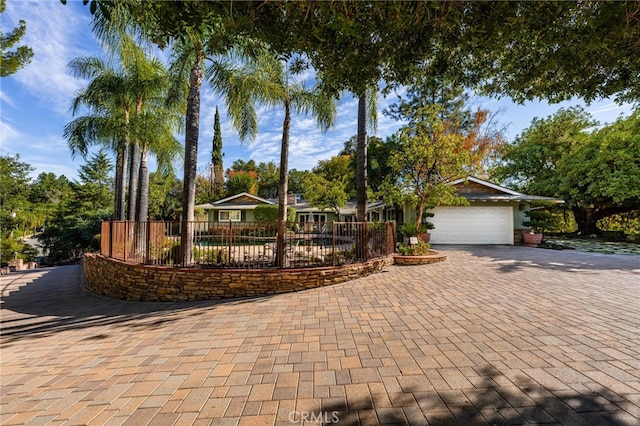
(217, 174)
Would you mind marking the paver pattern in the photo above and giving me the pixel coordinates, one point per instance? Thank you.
(494, 335)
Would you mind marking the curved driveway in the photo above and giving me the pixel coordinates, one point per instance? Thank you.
(494, 335)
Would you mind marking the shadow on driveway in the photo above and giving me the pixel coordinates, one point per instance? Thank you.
(516, 258)
(41, 302)
(488, 404)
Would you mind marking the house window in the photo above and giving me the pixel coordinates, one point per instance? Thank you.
(312, 218)
(229, 215)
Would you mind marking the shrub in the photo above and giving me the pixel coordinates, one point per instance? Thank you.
(269, 213)
(210, 255)
(420, 249)
(171, 255)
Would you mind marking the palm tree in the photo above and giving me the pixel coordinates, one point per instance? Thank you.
(129, 113)
(266, 79)
(367, 117)
(190, 58)
(186, 71)
(108, 124)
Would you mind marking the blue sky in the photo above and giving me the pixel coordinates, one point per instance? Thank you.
(34, 103)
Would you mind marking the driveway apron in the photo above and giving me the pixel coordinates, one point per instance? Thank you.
(493, 335)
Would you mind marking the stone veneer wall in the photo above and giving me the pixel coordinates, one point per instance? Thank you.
(120, 280)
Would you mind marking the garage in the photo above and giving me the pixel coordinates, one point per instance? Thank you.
(472, 225)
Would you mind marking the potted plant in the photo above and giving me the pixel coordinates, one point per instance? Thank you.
(414, 250)
(538, 222)
(408, 230)
(425, 227)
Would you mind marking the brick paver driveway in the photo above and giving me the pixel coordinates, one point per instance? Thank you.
(493, 335)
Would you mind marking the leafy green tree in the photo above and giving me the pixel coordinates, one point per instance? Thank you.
(337, 171)
(429, 156)
(14, 189)
(483, 138)
(596, 173)
(296, 180)
(108, 123)
(601, 177)
(240, 165)
(16, 211)
(530, 163)
(76, 225)
(325, 194)
(165, 195)
(378, 168)
(48, 193)
(94, 190)
(130, 114)
(241, 181)
(268, 179)
(12, 61)
(378, 154)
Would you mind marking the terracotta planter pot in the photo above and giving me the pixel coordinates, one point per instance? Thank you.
(532, 239)
(425, 236)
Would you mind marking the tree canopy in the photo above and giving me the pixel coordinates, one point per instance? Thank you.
(13, 60)
(430, 155)
(596, 172)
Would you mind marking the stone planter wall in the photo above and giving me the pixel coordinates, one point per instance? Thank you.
(419, 260)
(120, 280)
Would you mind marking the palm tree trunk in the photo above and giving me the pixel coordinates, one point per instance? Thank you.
(192, 121)
(283, 187)
(143, 188)
(143, 206)
(133, 181)
(361, 161)
(122, 159)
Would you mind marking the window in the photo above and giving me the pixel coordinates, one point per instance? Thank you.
(312, 218)
(229, 215)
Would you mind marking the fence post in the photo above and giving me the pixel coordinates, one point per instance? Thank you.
(111, 239)
(366, 241)
(333, 244)
(229, 243)
(147, 252)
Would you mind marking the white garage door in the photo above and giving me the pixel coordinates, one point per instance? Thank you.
(472, 225)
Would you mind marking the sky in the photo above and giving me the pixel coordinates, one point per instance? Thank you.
(35, 103)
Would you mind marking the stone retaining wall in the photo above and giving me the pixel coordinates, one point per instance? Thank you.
(419, 260)
(120, 280)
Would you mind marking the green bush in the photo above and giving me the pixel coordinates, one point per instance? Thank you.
(420, 249)
(210, 255)
(269, 213)
(408, 229)
(172, 255)
(538, 220)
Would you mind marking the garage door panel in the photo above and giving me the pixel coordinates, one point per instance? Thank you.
(472, 225)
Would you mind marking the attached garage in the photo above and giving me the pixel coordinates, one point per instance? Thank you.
(472, 225)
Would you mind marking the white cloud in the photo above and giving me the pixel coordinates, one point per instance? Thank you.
(56, 33)
(607, 112)
(10, 136)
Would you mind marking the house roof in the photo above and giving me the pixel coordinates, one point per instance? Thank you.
(484, 183)
(476, 189)
(240, 201)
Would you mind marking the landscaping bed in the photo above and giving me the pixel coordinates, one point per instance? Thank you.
(592, 245)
